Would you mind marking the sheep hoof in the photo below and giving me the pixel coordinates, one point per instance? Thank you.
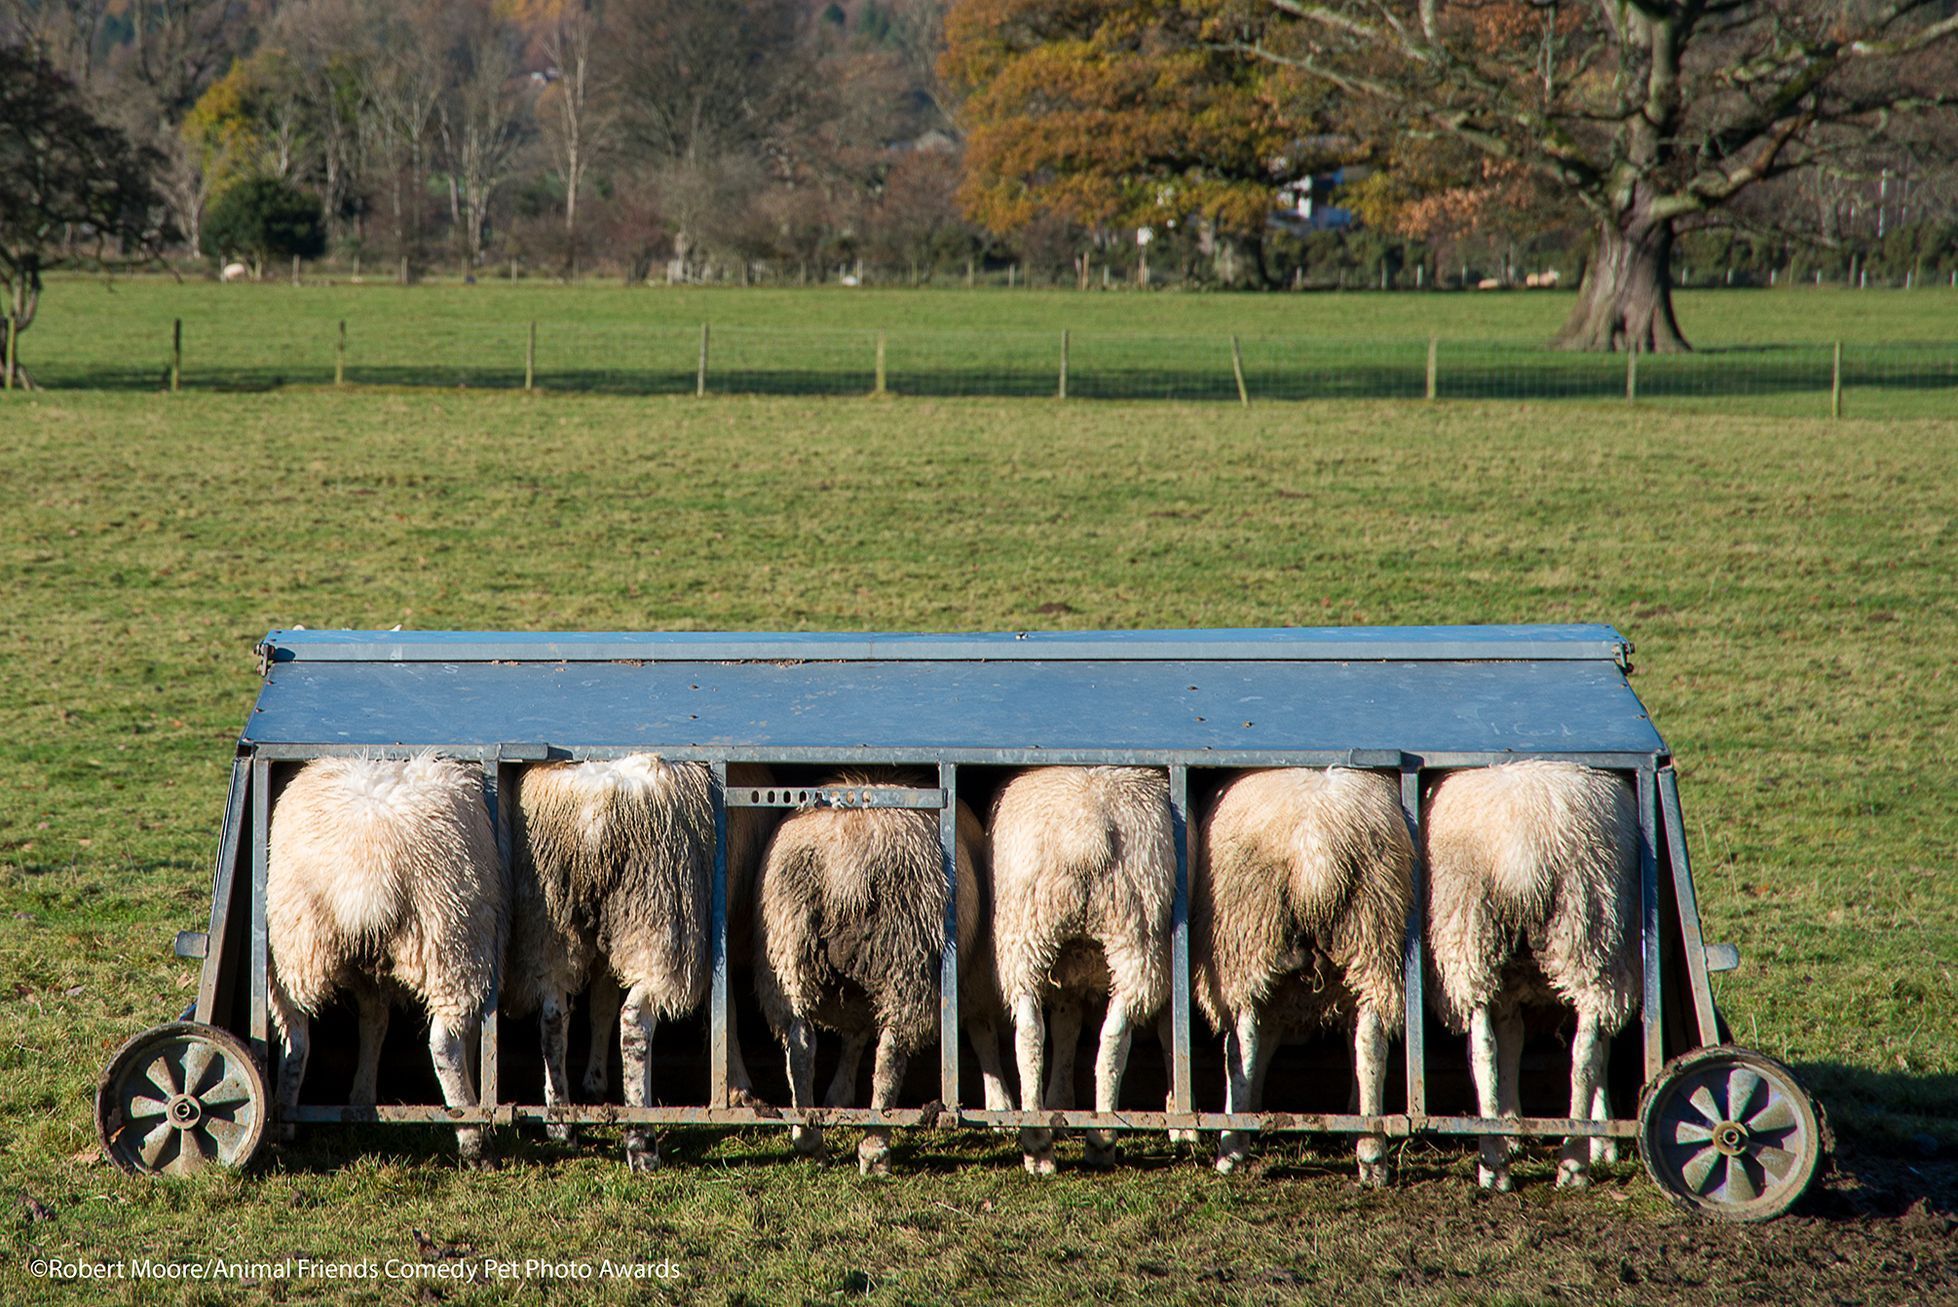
(1182, 1136)
(1604, 1152)
(1039, 1163)
(874, 1163)
(560, 1133)
(641, 1153)
(1571, 1175)
(1227, 1163)
(1100, 1156)
(1492, 1179)
(808, 1141)
(594, 1088)
(1373, 1175)
(745, 1097)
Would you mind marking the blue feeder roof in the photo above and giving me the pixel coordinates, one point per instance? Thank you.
(1225, 697)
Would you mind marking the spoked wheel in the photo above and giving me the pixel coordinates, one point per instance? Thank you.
(178, 1098)
(1730, 1133)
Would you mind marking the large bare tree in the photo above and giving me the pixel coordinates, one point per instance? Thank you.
(1649, 113)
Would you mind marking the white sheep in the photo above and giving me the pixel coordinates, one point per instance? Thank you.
(1533, 899)
(1298, 912)
(748, 829)
(612, 876)
(382, 877)
(1084, 880)
(849, 927)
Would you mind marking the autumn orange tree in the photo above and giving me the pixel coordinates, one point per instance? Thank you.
(1117, 113)
(1646, 113)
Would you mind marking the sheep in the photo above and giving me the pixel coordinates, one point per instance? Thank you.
(383, 877)
(1298, 911)
(748, 830)
(849, 926)
(1542, 855)
(616, 864)
(1084, 880)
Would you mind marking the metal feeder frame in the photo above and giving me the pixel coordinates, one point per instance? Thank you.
(1416, 701)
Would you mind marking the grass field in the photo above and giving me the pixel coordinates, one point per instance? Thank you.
(1790, 584)
(1758, 351)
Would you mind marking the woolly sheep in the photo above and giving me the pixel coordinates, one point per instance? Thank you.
(1541, 856)
(382, 877)
(849, 925)
(748, 830)
(1298, 911)
(1084, 879)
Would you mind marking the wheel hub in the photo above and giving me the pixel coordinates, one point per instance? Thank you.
(1730, 1137)
(185, 1111)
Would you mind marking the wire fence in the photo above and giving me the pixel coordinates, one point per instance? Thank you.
(1863, 378)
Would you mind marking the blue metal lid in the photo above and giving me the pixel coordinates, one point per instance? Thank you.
(1228, 697)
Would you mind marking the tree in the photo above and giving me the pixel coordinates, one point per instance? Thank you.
(64, 173)
(1116, 112)
(479, 117)
(1646, 113)
(264, 218)
(576, 123)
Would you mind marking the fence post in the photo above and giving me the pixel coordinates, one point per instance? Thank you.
(13, 350)
(1835, 384)
(1237, 371)
(530, 358)
(295, 269)
(1631, 373)
(700, 376)
(1064, 335)
(340, 356)
(880, 364)
(176, 354)
(1434, 358)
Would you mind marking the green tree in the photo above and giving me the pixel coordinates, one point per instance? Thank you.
(262, 218)
(72, 187)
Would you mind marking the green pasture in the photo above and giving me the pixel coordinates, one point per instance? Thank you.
(1791, 585)
(1757, 351)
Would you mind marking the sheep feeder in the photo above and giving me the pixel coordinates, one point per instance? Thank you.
(1724, 1131)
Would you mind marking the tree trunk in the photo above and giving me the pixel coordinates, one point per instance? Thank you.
(1625, 299)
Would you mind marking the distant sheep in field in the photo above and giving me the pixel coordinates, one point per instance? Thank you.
(849, 927)
(614, 887)
(1084, 878)
(383, 878)
(234, 271)
(1298, 913)
(1533, 899)
(748, 830)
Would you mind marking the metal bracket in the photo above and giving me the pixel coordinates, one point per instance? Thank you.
(1722, 957)
(833, 796)
(192, 944)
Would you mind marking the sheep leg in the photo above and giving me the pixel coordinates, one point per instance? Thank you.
(984, 1034)
(636, 1021)
(554, 1035)
(886, 1076)
(1242, 1050)
(1604, 1150)
(604, 1000)
(448, 1049)
(295, 1036)
(1587, 1054)
(1492, 1170)
(373, 1007)
(1509, 1055)
(1117, 1030)
(740, 1088)
(1370, 1077)
(799, 1043)
(843, 1085)
(1029, 1042)
(1063, 1045)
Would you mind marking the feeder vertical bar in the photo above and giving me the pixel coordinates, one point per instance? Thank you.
(176, 354)
(1413, 944)
(1181, 1095)
(222, 886)
(948, 967)
(717, 1055)
(1691, 942)
(260, 996)
(487, 1079)
(1648, 859)
(1237, 371)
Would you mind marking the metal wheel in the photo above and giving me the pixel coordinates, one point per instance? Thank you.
(1730, 1133)
(178, 1098)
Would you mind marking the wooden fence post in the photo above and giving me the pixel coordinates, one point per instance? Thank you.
(530, 358)
(880, 364)
(340, 356)
(700, 376)
(1631, 373)
(176, 354)
(1434, 373)
(1835, 384)
(1237, 371)
(1064, 338)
